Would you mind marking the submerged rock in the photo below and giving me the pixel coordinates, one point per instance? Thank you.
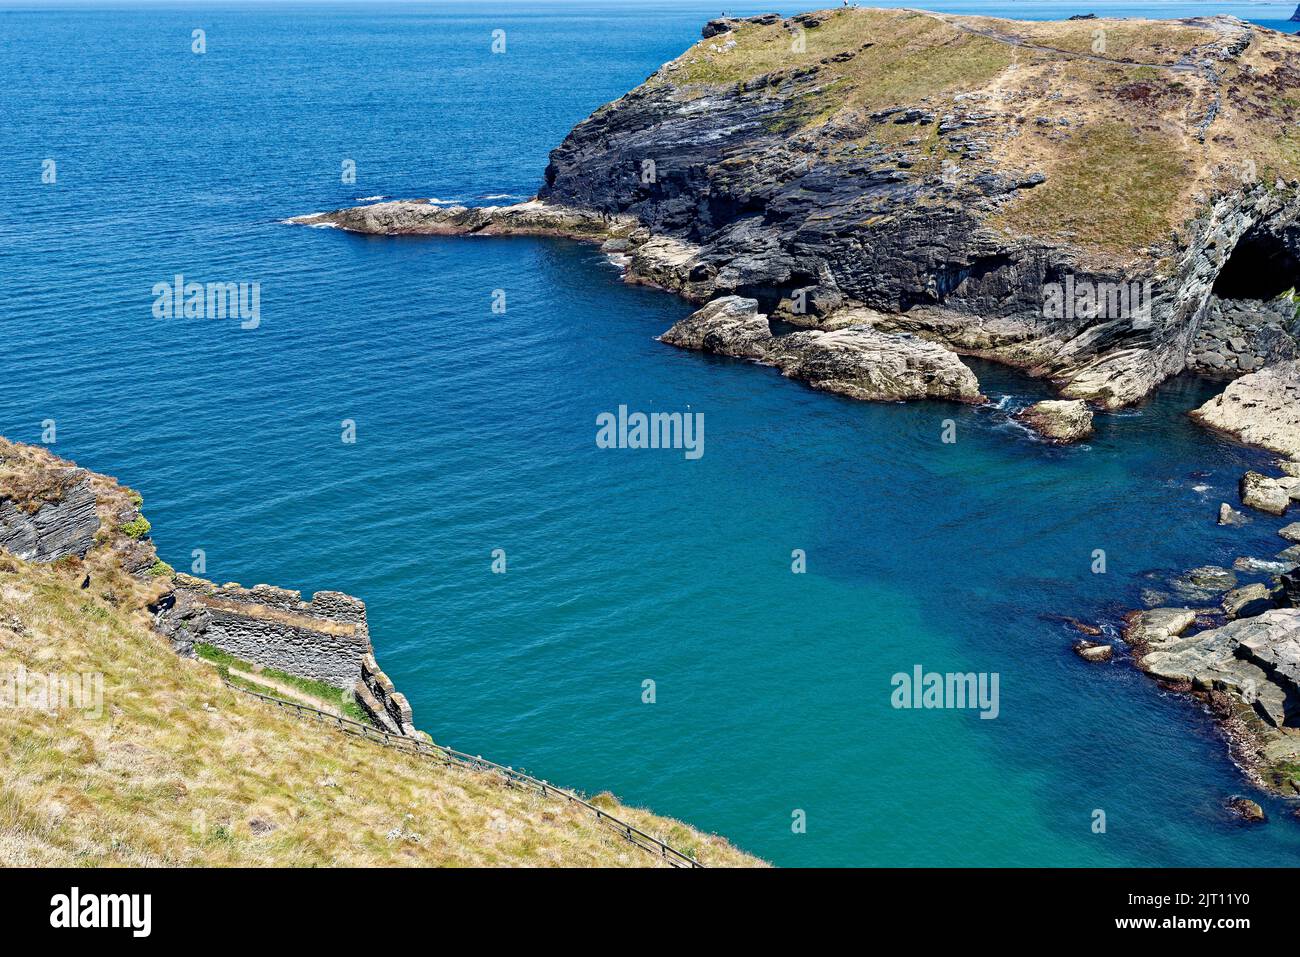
(1247, 810)
(1230, 516)
(1263, 493)
(1204, 582)
(1060, 421)
(1260, 566)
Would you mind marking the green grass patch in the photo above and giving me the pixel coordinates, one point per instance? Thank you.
(899, 58)
(321, 691)
(1114, 192)
(137, 528)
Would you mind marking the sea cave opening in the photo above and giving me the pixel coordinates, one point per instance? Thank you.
(1261, 267)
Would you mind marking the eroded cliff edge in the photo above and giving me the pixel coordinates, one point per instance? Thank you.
(909, 172)
(51, 511)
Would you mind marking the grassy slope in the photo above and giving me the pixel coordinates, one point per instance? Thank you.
(177, 768)
(1124, 172)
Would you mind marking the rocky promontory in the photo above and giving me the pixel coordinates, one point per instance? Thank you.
(1103, 203)
(1261, 409)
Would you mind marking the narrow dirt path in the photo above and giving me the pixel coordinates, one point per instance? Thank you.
(1015, 41)
(287, 691)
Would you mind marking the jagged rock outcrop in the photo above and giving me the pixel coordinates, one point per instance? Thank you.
(1261, 409)
(1157, 625)
(56, 530)
(1256, 659)
(48, 507)
(857, 360)
(1062, 421)
(1248, 601)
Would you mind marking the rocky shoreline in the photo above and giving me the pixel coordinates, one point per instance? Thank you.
(860, 197)
(1234, 645)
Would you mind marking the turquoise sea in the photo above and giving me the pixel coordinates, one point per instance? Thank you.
(475, 431)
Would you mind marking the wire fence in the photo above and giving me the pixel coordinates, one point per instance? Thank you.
(453, 758)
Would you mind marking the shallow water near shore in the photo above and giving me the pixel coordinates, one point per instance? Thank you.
(476, 431)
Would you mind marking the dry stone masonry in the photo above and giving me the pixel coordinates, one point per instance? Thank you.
(325, 639)
(50, 509)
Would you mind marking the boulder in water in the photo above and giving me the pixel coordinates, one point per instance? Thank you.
(1061, 421)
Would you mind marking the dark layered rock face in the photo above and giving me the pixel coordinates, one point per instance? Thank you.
(1238, 336)
(57, 530)
(714, 170)
(852, 210)
(1103, 219)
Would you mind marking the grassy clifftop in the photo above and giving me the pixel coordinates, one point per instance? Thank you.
(1134, 123)
(176, 769)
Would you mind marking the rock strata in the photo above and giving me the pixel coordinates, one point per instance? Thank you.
(1156, 626)
(1255, 659)
(57, 530)
(907, 163)
(1249, 601)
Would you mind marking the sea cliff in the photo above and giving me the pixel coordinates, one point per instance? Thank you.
(943, 176)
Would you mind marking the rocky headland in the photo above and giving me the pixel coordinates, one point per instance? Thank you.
(1104, 218)
(861, 197)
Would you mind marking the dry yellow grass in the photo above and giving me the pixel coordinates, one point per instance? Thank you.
(179, 770)
(1110, 111)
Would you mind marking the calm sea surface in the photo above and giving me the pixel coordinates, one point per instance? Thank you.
(475, 431)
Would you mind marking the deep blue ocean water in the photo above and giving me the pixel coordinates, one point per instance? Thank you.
(475, 432)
